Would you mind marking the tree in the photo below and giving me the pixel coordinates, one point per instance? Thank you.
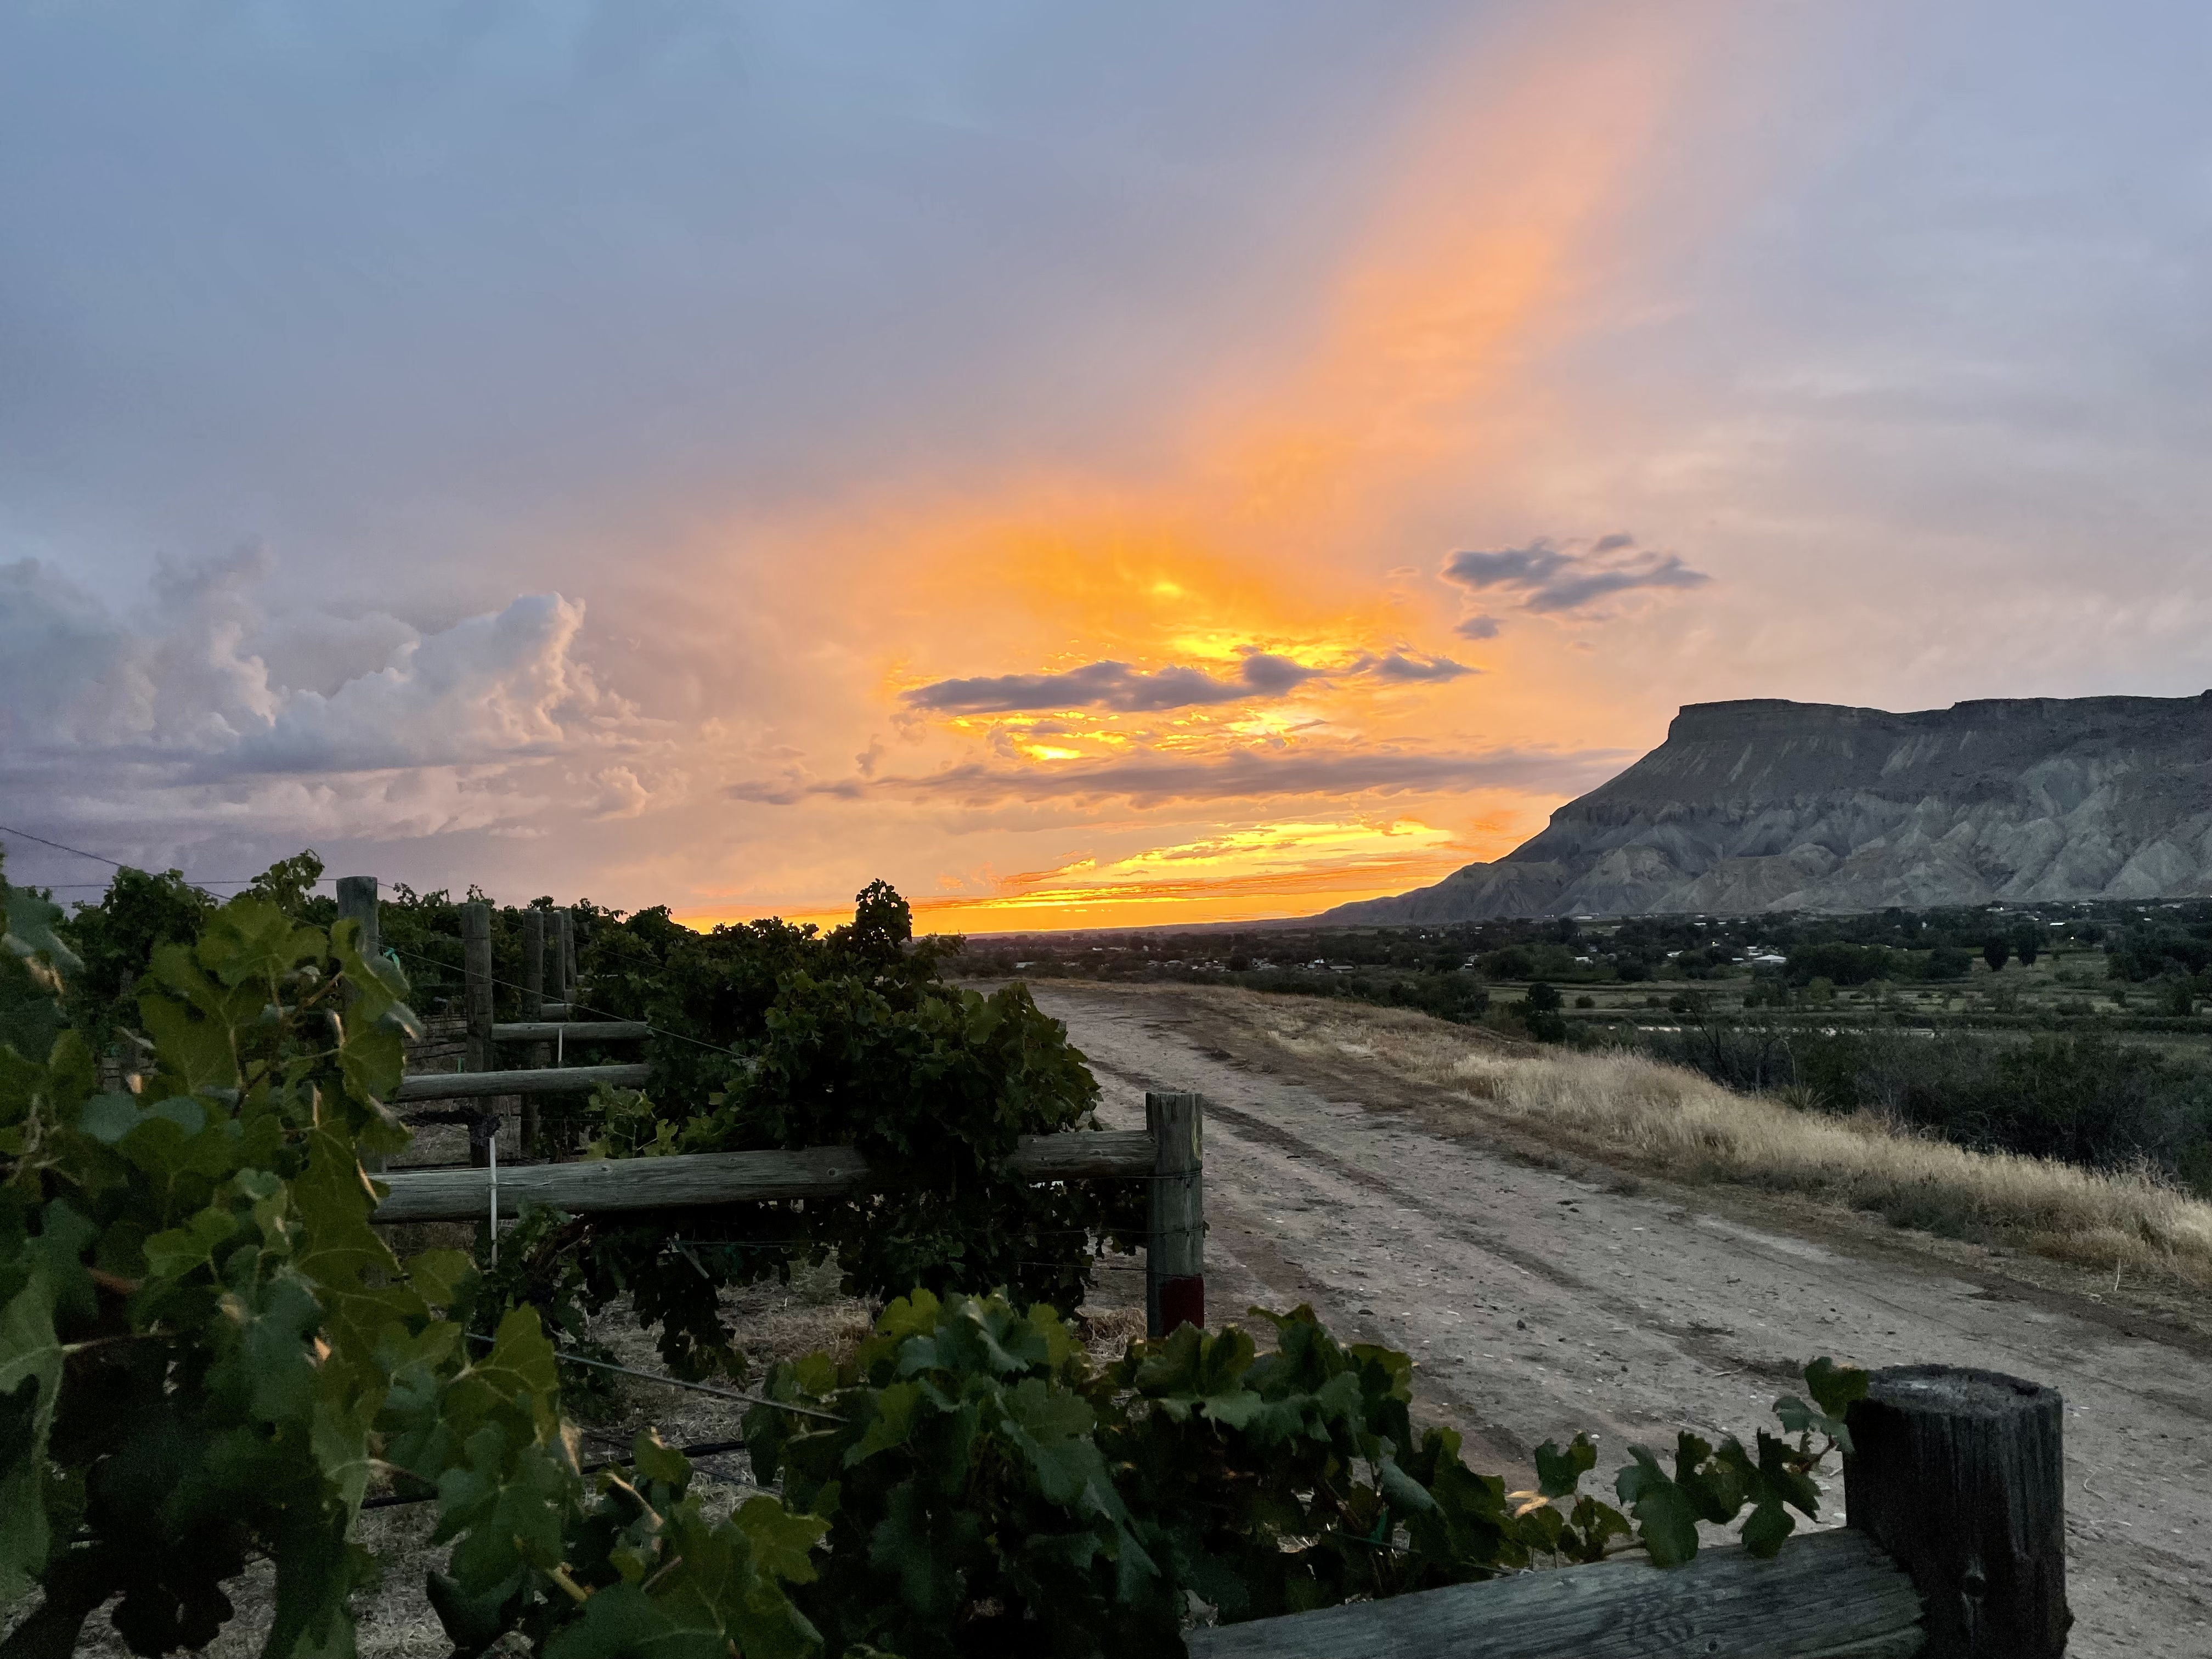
(2027, 944)
(1540, 1013)
(1997, 952)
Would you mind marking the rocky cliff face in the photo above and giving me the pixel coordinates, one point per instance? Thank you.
(1764, 805)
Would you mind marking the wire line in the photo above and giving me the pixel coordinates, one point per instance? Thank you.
(567, 1358)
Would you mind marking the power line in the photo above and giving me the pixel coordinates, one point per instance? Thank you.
(202, 882)
(59, 847)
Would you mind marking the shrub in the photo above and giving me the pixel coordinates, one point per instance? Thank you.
(990, 1490)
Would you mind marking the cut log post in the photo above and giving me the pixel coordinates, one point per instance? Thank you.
(1960, 1475)
(567, 939)
(533, 1004)
(602, 1185)
(482, 1053)
(357, 903)
(1174, 1241)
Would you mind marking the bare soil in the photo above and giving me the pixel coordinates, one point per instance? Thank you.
(1541, 1293)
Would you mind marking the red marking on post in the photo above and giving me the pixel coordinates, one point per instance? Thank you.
(1183, 1301)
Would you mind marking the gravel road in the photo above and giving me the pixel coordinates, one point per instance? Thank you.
(1538, 1302)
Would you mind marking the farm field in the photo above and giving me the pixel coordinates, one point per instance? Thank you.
(1539, 1298)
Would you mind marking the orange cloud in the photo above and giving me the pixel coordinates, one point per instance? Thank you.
(1269, 539)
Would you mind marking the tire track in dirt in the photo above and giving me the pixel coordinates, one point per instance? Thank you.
(1537, 1303)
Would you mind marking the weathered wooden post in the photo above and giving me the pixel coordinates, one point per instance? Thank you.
(1175, 1242)
(482, 1053)
(357, 903)
(1960, 1475)
(539, 1055)
(569, 961)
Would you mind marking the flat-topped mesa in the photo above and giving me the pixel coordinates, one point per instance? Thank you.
(1766, 805)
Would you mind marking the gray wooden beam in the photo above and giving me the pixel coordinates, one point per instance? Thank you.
(1832, 1596)
(571, 1030)
(549, 1080)
(655, 1183)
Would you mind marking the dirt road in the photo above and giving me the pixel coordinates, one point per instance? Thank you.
(1538, 1302)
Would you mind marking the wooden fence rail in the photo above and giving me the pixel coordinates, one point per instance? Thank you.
(1954, 1549)
(1167, 1153)
(552, 1080)
(598, 1185)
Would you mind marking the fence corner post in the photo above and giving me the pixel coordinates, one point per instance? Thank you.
(482, 1054)
(1960, 1475)
(1175, 1243)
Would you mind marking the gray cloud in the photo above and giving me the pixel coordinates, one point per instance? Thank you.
(1123, 689)
(1112, 685)
(1413, 669)
(1477, 626)
(1147, 779)
(1548, 579)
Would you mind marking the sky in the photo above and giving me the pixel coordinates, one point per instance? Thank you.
(1117, 465)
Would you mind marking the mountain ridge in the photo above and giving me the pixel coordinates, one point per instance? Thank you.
(1763, 804)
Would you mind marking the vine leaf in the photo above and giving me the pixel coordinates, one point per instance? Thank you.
(1666, 1518)
(30, 1385)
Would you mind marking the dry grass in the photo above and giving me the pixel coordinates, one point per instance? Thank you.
(1628, 1109)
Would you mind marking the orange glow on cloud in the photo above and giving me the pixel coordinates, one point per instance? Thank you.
(1273, 532)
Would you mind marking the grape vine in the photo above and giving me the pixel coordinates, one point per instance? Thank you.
(208, 1356)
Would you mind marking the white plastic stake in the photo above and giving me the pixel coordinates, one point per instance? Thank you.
(495, 1197)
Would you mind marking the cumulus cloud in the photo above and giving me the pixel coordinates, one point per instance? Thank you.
(1552, 578)
(194, 708)
(193, 680)
(1120, 689)
(1149, 779)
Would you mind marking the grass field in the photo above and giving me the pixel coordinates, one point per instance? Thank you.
(1626, 1108)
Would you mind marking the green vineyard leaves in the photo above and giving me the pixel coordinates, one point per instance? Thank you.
(989, 1485)
(207, 1354)
(771, 1035)
(210, 1357)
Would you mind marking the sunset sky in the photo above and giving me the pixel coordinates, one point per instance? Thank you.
(1120, 464)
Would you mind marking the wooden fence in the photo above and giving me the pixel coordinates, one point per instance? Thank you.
(1167, 1153)
(1955, 1548)
(1954, 1492)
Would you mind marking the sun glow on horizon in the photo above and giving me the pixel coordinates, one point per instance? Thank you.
(1241, 606)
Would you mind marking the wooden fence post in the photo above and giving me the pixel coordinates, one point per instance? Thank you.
(567, 921)
(482, 1054)
(357, 903)
(1960, 1476)
(539, 1055)
(533, 964)
(1175, 1241)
